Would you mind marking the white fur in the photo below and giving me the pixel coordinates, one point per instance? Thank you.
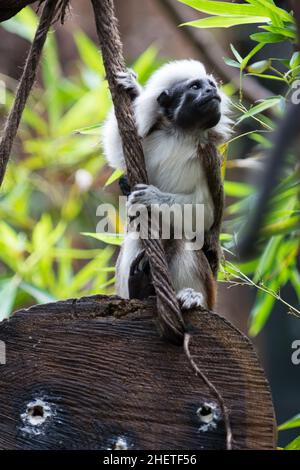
(173, 168)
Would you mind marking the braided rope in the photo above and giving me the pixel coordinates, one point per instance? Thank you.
(169, 318)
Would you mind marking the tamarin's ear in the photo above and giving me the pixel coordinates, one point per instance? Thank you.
(164, 98)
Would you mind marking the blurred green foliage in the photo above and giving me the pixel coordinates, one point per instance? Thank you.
(279, 237)
(55, 179)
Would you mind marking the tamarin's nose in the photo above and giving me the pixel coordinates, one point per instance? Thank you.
(208, 89)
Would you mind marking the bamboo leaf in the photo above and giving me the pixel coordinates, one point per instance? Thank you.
(239, 190)
(271, 7)
(110, 238)
(251, 54)
(261, 107)
(294, 445)
(261, 312)
(266, 38)
(231, 62)
(225, 8)
(225, 22)
(114, 176)
(8, 292)
(40, 295)
(259, 67)
(290, 424)
(238, 57)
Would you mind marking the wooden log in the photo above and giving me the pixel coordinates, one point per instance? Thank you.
(93, 374)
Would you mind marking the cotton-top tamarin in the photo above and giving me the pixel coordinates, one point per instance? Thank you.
(178, 112)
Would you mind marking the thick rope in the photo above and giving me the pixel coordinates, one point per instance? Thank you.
(50, 10)
(169, 318)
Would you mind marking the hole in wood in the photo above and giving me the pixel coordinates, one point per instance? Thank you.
(36, 414)
(36, 411)
(209, 415)
(205, 413)
(120, 444)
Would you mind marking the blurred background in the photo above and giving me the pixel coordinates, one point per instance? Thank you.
(57, 175)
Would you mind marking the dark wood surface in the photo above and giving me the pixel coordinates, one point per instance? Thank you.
(104, 376)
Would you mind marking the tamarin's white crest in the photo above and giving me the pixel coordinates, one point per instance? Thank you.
(179, 108)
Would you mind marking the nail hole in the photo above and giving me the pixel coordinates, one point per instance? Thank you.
(36, 411)
(120, 444)
(36, 414)
(209, 415)
(205, 414)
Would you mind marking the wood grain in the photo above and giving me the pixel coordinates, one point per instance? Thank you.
(98, 365)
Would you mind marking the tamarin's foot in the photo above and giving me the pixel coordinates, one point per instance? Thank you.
(188, 298)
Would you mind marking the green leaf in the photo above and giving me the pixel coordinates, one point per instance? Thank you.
(280, 228)
(267, 37)
(251, 54)
(268, 77)
(236, 54)
(271, 7)
(225, 22)
(89, 53)
(86, 111)
(110, 238)
(224, 8)
(260, 312)
(290, 424)
(259, 67)
(260, 139)
(295, 60)
(288, 33)
(23, 24)
(89, 130)
(239, 190)
(51, 75)
(40, 295)
(295, 280)
(260, 108)
(231, 62)
(8, 292)
(267, 258)
(266, 300)
(146, 64)
(294, 445)
(225, 237)
(114, 176)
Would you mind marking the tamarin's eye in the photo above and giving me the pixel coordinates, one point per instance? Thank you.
(212, 83)
(195, 86)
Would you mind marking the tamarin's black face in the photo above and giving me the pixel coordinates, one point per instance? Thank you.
(192, 104)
